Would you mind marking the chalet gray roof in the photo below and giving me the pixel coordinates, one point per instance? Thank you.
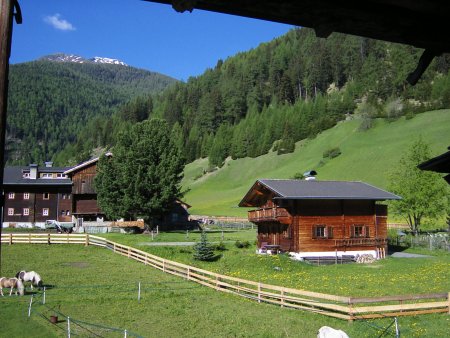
(14, 176)
(300, 189)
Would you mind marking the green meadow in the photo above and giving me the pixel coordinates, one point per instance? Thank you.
(367, 156)
(98, 290)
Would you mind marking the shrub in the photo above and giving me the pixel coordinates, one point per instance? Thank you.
(241, 245)
(221, 247)
(332, 152)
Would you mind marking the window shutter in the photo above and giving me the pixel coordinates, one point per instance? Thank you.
(314, 231)
(366, 231)
(330, 232)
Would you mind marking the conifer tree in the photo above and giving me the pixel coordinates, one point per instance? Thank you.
(203, 251)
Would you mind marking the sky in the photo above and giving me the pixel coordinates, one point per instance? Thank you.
(141, 34)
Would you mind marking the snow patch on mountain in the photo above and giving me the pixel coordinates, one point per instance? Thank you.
(78, 59)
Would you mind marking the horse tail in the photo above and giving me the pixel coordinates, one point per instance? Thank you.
(20, 287)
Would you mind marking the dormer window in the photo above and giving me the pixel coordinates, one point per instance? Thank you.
(26, 175)
(46, 175)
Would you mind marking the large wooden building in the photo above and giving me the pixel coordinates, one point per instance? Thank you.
(310, 218)
(35, 194)
(84, 196)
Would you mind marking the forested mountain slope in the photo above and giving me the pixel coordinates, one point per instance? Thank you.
(365, 155)
(50, 103)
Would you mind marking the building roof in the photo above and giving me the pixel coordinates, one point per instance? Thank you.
(420, 23)
(440, 164)
(314, 190)
(14, 176)
(81, 166)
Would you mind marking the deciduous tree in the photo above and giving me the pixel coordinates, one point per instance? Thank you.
(424, 193)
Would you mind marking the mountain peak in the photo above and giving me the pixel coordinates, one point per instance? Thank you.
(61, 57)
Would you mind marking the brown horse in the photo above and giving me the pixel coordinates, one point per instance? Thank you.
(11, 283)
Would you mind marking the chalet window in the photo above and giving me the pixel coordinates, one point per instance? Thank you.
(61, 176)
(11, 195)
(26, 195)
(45, 212)
(10, 211)
(287, 233)
(67, 213)
(63, 212)
(26, 175)
(46, 175)
(46, 196)
(26, 211)
(322, 231)
(360, 230)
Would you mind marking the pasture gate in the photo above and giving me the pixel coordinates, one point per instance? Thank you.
(348, 308)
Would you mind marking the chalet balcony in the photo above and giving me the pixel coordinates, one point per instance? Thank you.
(349, 242)
(268, 215)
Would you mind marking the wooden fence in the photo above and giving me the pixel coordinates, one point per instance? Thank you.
(348, 308)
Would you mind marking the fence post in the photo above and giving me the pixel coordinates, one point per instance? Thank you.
(448, 300)
(10, 239)
(68, 327)
(87, 240)
(125, 334)
(43, 297)
(139, 292)
(397, 331)
(259, 292)
(29, 307)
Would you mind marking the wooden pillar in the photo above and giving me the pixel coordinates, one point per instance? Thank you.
(6, 24)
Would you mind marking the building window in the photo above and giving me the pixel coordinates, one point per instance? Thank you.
(360, 231)
(26, 175)
(45, 212)
(46, 175)
(11, 196)
(67, 212)
(61, 176)
(26, 195)
(10, 211)
(322, 231)
(46, 196)
(26, 211)
(287, 233)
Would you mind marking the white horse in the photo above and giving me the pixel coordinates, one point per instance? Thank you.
(30, 276)
(329, 332)
(11, 283)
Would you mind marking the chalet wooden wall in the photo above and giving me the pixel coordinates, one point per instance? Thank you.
(83, 180)
(339, 216)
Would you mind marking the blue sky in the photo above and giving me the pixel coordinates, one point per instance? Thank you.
(142, 34)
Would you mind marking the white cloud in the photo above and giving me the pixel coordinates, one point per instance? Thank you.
(58, 23)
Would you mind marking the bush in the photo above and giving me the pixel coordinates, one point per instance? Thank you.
(241, 245)
(332, 152)
(221, 247)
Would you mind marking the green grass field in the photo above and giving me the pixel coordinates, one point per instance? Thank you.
(366, 156)
(95, 286)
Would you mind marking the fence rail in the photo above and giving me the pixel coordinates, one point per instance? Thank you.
(348, 308)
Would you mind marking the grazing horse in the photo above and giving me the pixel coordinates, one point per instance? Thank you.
(30, 276)
(11, 283)
(329, 332)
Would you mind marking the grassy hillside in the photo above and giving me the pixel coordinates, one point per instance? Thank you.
(366, 156)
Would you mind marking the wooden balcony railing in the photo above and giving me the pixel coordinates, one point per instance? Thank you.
(347, 242)
(267, 214)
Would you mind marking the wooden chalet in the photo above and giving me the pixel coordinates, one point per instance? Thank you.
(310, 218)
(84, 196)
(35, 194)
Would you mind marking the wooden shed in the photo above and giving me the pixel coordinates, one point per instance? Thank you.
(310, 218)
(84, 196)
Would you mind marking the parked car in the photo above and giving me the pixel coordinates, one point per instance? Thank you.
(60, 227)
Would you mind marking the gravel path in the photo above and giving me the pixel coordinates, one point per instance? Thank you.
(408, 255)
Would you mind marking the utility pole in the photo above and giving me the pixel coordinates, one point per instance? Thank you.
(8, 10)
